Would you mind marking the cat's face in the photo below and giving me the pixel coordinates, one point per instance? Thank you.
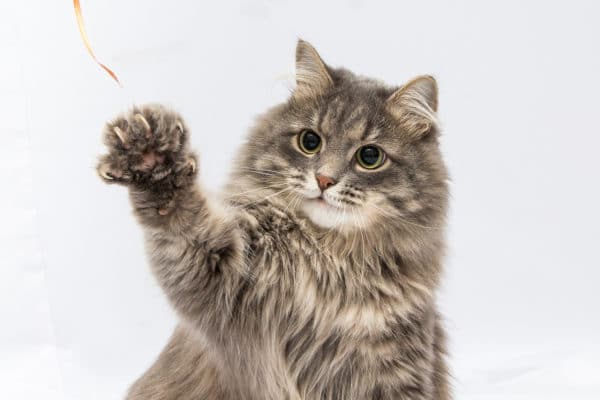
(349, 152)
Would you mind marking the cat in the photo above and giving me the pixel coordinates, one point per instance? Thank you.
(314, 274)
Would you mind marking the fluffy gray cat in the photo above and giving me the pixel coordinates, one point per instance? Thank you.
(314, 275)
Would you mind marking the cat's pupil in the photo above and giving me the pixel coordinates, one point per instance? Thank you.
(310, 140)
(370, 155)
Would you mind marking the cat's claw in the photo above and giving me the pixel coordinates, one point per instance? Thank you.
(192, 164)
(143, 121)
(120, 134)
(103, 171)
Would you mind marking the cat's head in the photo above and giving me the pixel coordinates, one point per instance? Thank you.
(349, 152)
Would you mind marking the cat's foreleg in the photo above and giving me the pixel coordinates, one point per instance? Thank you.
(196, 251)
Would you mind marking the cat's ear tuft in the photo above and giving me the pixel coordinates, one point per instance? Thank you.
(415, 104)
(312, 77)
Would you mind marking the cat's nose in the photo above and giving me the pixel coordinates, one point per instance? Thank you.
(324, 182)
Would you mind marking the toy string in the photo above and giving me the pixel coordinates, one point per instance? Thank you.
(86, 42)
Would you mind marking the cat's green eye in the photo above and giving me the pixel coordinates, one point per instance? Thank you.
(309, 142)
(370, 157)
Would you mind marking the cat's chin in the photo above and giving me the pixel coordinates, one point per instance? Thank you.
(325, 215)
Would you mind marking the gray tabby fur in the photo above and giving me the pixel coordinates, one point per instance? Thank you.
(282, 295)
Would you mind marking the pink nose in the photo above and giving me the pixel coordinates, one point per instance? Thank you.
(324, 182)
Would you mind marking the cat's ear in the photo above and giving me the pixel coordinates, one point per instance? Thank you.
(312, 77)
(415, 104)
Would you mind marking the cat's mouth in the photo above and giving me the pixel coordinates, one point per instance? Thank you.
(326, 212)
(321, 201)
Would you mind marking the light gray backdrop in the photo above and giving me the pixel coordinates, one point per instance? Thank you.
(81, 315)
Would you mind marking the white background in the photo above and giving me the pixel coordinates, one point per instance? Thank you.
(81, 317)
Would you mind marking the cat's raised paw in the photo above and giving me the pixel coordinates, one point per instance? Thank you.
(146, 145)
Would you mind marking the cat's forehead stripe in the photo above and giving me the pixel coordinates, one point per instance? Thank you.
(345, 118)
(329, 117)
(371, 135)
(356, 129)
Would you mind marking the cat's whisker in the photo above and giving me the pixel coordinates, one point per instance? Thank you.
(260, 176)
(298, 201)
(276, 161)
(271, 158)
(260, 170)
(267, 197)
(274, 186)
(404, 220)
(295, 197)
(264, 173)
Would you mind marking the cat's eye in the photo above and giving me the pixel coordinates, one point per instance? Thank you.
(309, 142)
(370, 157)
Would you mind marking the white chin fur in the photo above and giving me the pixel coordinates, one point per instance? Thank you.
(327, 216)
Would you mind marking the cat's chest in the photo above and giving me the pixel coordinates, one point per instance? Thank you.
(317, 278)
(334, 291)
(342, 295)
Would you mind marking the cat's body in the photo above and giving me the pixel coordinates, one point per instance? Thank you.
(287, 288)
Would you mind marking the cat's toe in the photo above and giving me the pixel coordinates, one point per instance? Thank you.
(110, 171)
(191, 164)
(105, 173)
